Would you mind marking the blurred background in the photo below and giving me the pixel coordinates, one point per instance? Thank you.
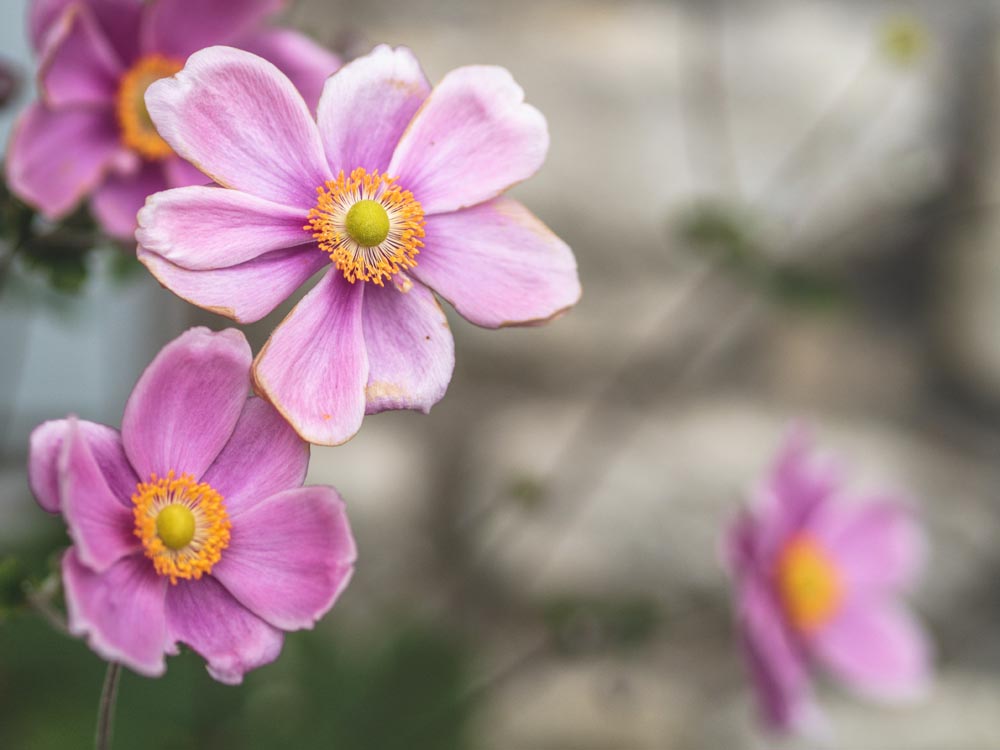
(781, 210)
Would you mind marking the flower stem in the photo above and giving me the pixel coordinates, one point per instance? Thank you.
(106, 711)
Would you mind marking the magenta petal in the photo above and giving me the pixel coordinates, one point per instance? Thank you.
(55, 158)
(181, 173)
(878, 649)
(231, 639)
(473, 138)
(79, 66)
(186, 404)
(263, 457)
(105, 445)
(200, 228)
(306, 63)
(118, 20)
(366, 107)
(117, 202)
(240, 121)
(99, 522)
(290, 557)
(314, 367)
(121, 611)
(42, 18)
(498, 265)
(411, 353)
(178, 28)
(247, 292)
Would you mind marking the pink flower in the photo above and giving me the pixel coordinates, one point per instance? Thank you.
(396, 190)
(90, 133)
(192, 525)
(817, 576)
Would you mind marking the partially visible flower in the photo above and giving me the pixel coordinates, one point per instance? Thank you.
(396, 190)
(10, 82)
(90, 133)
(192, 525)
(817, 577)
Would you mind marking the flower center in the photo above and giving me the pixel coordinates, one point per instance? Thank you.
(183, 525)
(369, 227)
(137, 130)
(809, 583)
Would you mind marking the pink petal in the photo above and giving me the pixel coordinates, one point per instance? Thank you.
(498, 265)
(43, 16)
(314, 367)
(105, 445)
(79, 66)
(263, 457)
(186, 404)
(181, 173)
(878, 649)
(56, 158)
(231, 639)
(306, 63)
(116, 202)
(200, 228)
(118, 20)
(411, 353)
(366, 107)
(290, 557)
(240, 121)
(473, 138)
(100, 522)
(178, 28)
(121, 611)
(247, 292)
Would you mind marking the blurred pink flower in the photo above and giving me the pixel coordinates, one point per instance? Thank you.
(90, 133)
(396, 190)
(817, 578)
(192, 524)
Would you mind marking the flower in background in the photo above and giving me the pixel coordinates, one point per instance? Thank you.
(396, 190)
(192, 525)
(817, 577)
(90, 133)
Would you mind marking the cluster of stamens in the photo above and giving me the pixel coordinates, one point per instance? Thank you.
(183, 525)
(809, 582)
(368, 225)
(137, 130)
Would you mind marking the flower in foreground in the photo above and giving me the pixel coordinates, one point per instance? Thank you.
(192, 525)
(395, 189)
(90, 133)
(817, 579)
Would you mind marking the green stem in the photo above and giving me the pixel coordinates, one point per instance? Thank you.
(106, 710)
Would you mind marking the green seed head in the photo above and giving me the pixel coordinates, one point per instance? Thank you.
(367, 223)
(175, 526)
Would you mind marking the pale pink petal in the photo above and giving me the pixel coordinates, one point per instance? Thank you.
(121, 611)
(200, 228)
(100, 522)
(186, 404)
(366, 107)
(878, 649)
(411, 353)
(305, 62)
(105, 445)
(263, 457)
(247, 292)
(116, 203)
(177, 28)
(181, 173)
(498, 265)
(473, 138)
(229, 637)
(239, 120)
(290, 557)
(314, 367)
(79, 66)
(56, 158)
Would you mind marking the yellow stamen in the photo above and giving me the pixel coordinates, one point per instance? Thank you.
(138, 131)
(809, 583)
(369, 227)
(183, 525)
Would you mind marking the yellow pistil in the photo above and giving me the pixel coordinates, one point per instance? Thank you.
(368, 225)
(183, 525)
(809, 583)
(138, 131)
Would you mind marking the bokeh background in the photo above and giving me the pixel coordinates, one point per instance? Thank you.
(781, 210)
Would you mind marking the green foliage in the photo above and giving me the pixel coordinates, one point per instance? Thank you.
(581, 625)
